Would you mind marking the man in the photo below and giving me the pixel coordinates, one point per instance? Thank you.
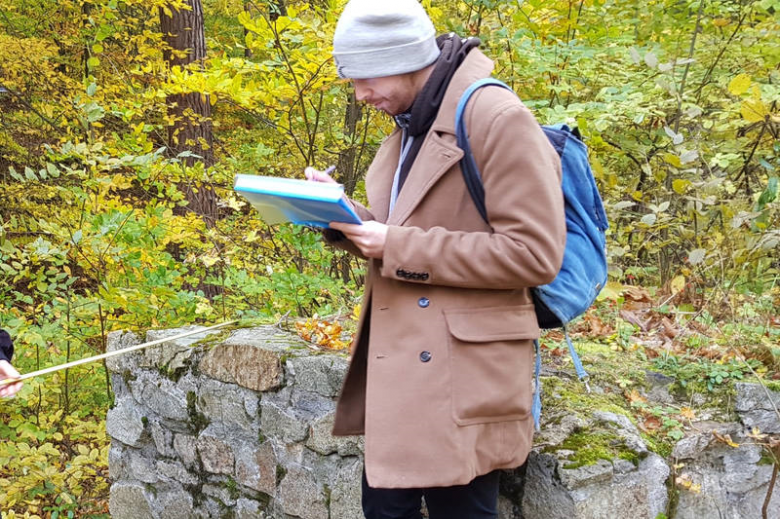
(6, 370)
(440, 377)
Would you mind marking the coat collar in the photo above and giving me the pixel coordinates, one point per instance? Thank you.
(476, 66)
(438, 153)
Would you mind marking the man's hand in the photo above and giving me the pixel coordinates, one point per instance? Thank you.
(315, 175)
(8, 371)
(370, 237)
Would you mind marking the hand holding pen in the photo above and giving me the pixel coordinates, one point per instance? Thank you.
(315, 175)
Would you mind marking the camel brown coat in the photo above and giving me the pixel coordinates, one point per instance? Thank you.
(440, 381)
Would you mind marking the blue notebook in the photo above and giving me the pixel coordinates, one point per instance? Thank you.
(301, 202)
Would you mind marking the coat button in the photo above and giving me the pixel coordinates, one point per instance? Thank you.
(423, 302)
(425, 356)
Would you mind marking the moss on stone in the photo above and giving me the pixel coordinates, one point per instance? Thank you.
(127, 376)
(232, 488)
(198, 420)
(280, 473)
(590, 447)
(214, 339)
(327, 493)
(573, 397)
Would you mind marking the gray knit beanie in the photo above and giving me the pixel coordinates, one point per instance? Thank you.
(378, 38)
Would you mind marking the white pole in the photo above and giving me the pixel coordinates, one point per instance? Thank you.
(108, 354)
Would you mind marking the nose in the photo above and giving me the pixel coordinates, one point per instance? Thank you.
(361, 90)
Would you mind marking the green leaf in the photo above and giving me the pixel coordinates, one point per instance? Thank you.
(93, 62)
(769, 195)
(91, 89)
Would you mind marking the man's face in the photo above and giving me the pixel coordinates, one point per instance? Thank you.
(391, 94)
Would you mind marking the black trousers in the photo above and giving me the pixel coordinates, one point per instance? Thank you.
(477, 500)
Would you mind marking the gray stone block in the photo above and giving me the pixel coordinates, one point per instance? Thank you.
(161, 395)
(120, 340)
(219, 493)
(226, 403)
(175, 354)
(256, 467)
(125, 423)
(282, 423)
(725, 481)
(176, 471)
(174, 503)
(215, 451)
(248, 509)
(322, 441)
(186, 448)
(599, 472)
(301, 496)
(757, 407)
(163, 439)
(129, 500)
(322, 374)
(118, 461)
(141, 466)
(345, 497)
(597, 492)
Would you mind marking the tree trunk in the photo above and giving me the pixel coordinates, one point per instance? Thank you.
(347, 167)
(191, 113)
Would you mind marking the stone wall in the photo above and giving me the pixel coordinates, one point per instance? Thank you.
(238, 425)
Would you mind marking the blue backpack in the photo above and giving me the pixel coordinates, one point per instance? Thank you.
(584, 269)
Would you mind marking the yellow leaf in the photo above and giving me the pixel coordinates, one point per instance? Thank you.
(637, 195)
(672, 159)
(739, 84)
(687, 412)
(680, 186)
(720, 22)
(598, 169)
(753, 110)
(613, 290)
(678, 284)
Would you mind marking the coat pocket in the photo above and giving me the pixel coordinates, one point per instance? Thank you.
(491, 362)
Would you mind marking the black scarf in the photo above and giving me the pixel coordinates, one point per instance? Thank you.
(419, 118)
(6, 346)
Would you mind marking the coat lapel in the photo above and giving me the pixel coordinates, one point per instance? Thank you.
(440, 151)
(436, 156)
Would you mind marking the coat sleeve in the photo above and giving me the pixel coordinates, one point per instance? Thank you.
(6, 346)
(521, 173)
(337, 239)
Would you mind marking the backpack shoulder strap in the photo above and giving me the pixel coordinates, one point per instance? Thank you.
(467, 164)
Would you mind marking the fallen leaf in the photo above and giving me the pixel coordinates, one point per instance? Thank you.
(633, 318)
(725, 438)
(635, 396)
(637, 293)
(687, 412)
